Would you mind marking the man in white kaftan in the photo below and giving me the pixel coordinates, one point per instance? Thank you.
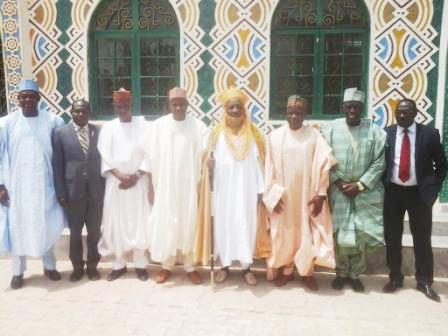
(36, 219)
(174, 148)
(126, 207)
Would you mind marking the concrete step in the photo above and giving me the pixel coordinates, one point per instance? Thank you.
(376, 262)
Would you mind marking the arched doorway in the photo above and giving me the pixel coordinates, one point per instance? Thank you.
(319, 48)
(133, 44)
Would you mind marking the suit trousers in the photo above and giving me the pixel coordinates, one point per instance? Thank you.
(398, 200)
(86, 211)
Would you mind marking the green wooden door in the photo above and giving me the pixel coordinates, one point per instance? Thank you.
(319, 48)
(134, 44)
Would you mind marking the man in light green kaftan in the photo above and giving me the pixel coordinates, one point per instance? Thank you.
(356, 191)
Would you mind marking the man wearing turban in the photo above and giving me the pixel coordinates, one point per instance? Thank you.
(126, 207)
(298, 162)
(235, 161)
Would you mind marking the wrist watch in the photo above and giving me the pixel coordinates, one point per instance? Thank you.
(360, 186)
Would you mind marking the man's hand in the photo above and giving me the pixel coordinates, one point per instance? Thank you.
(279, 207)
(351, 190)
(260, 199)
(63, 202)
(340, 185)
(211, 163)
(126, 181)
(129, 181)
(4, 196)
(317, 203)
(151, 196)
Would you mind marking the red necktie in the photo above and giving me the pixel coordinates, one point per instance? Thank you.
(405, 157)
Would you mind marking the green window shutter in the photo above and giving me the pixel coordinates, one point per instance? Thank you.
(319, 48)
(133, 44)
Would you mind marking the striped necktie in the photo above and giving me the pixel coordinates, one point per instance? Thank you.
(83, 139)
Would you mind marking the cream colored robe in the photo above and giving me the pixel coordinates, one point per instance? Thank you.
(173, 155)
(297, 169)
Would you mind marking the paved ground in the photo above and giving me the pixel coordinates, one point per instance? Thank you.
(131, 307)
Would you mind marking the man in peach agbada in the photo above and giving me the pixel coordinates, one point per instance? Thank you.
(298, 161)
(240, 231)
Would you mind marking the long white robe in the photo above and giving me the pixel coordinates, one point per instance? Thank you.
(4, 237)
(36, 219)
(236, 188)
(174, 153)
(125, 212)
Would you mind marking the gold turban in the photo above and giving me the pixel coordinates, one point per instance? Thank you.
(232, 93)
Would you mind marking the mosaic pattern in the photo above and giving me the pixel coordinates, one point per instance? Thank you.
(233, 51)
(403, 51)
(10, 35)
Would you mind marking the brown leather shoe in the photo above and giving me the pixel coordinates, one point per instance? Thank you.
(310, 283)
(222, 275)
(195, 277)
(250, 278)
(163, 276)
(283, 279)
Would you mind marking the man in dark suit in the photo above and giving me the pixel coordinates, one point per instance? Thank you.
(79, 186)
(416, 168)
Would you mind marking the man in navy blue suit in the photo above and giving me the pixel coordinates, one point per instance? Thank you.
(416, 168)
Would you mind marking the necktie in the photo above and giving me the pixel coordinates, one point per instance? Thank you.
(83, 139)
(405, 157)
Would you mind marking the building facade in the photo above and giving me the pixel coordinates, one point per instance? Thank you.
(270, 48)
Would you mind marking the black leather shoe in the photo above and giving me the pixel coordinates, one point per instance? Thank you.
(392, 286)
(17, 281)
(53, 275)
(338, 283)
(142, 274)
(77, 274)
(357, 285)
(93, 274)
(115, 274)
(428, 291)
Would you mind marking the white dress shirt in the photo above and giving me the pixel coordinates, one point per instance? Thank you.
(412, 181)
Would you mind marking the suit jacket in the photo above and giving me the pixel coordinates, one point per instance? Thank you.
(430, 161)
(76, 174)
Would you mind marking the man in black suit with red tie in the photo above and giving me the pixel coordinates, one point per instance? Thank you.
(416, 168)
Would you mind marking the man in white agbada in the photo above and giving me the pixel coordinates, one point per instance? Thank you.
(174, 148)
(126, 207)
(35, 219)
